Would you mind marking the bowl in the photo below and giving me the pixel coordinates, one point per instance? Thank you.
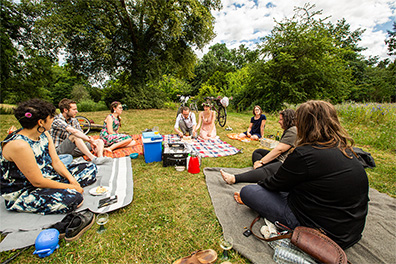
(134, 155)
(180, 168)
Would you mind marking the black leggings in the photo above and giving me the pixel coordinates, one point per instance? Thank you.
(260, 173)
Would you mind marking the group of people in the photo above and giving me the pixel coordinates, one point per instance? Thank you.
(311, 178)
(186, 123)
(37, 173)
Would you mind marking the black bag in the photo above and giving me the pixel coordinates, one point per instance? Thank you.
(365, 158)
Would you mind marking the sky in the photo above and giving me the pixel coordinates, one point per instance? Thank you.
(246, 21)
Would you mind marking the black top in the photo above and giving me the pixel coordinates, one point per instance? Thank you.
(326, 190)
(257, 124)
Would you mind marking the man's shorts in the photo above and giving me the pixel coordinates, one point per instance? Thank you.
(68, 147)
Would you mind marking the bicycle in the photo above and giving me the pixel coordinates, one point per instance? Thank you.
(85, 124)
(220, 108)
(183, 102)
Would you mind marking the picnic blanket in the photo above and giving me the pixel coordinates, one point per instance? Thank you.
(123, 152)
(23, 228)
(206, 148)
(376, 246)
(236, 137)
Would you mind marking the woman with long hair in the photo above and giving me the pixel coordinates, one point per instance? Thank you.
(321, 184)
(33, 178)
(207, 120)
(109, 133)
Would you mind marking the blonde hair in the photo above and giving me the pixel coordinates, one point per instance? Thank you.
(318, 124)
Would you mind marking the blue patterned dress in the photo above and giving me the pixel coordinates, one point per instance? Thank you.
(20, 195)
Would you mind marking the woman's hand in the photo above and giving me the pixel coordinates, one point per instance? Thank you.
(257, 164)
(77, 187)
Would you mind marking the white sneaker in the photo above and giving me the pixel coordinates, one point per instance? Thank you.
(101, 160)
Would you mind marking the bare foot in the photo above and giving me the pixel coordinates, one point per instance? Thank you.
(237, 198)
(107, 149)
(227, 177)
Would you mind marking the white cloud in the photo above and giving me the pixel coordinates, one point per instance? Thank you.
(245, 21)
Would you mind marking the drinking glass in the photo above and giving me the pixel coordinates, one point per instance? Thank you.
(226, 244)
(101, 220)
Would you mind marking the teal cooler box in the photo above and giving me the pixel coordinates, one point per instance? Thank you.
(152, 147)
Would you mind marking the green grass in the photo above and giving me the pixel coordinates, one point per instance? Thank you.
(171, 214)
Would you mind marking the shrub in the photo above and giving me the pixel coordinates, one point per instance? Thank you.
(91, 106)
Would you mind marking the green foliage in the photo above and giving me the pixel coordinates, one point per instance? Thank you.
(304, 60)
(88, 105)
(391, 40)
(79, 93)
(172, 86)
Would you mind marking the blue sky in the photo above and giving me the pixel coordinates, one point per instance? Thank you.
(246, 21)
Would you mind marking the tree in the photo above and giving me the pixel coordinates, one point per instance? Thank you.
(304, 58)
(141, 39)
(391, 41)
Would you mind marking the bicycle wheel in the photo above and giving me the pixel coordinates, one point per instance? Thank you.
(222, 116)
(193, 107)
(84, 124)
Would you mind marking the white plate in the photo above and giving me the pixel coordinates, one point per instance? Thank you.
(93, 190)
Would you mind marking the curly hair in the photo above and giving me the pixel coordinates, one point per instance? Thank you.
(289, 118)
(318, 124)
(30, 112)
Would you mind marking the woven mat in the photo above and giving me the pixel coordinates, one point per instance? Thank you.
(207, 148)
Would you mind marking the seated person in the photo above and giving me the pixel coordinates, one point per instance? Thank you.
(186, 123)
(257, 124)
(33, 179)
(266, 163)
(207, 119)
(69, 137)
(321, 184)
(109, 134)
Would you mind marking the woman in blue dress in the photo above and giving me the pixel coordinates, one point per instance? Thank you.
(257, 125)
(33, 178)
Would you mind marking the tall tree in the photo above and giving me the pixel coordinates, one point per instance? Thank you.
(304, 59)
(140, 39)
(391, 41)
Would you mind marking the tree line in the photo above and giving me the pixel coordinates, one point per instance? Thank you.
(142, 53)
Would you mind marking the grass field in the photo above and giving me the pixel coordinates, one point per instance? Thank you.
(171, 214)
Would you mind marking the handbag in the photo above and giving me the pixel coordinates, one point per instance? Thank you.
(313, 242)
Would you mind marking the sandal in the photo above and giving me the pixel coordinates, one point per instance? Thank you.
(237, 198)
(199, 257)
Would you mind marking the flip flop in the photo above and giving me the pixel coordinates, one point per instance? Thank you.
(237, 198)
(199, 257)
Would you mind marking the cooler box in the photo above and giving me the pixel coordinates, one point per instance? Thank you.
(175, 154)
(152, 147)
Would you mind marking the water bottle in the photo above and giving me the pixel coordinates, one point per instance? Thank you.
(277, 136)
(285, 255)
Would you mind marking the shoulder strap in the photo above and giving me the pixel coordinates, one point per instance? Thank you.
(288, 235)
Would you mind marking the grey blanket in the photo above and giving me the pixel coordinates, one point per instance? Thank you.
(378, 244)
(23, 228)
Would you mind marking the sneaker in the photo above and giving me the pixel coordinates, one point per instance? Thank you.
(62, 225)
(81, 222)
(101, 160)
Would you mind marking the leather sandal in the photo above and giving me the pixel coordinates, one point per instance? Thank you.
(199, 257)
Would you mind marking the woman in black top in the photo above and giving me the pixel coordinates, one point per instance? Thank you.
(321, 184)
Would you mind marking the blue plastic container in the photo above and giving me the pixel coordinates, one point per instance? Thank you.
(152, 147)
(46, 242)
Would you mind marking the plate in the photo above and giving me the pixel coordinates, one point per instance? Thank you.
(94, 192)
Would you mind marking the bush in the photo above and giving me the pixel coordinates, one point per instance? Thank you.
(91, 106)
(6, 110)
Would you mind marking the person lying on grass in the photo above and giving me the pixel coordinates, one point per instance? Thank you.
(266, 163)
(33, 178)
(321, 184)
(109, 134)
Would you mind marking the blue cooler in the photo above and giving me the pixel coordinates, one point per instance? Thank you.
(152, 147)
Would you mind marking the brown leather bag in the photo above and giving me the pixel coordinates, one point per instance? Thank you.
(313, 242)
